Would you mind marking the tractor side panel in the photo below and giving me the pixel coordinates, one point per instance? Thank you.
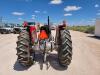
(33, 34)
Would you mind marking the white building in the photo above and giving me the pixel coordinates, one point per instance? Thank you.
(97, 28)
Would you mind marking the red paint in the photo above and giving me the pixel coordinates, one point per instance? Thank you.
(32, 28)
(33, 33)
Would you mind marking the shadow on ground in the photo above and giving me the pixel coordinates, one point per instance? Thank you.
(19, 67)
(52, 61)
(95, 37)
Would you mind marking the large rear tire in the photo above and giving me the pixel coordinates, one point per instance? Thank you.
(65, 48)
(23, 49)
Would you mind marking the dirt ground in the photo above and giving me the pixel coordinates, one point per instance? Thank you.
(86, 58)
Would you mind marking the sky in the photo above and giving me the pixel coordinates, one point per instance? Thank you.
(75, 12)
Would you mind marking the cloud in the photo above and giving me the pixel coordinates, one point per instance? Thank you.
(28, 0)
(44, 12)
(93, 19)
(68, 14)
(33, 17)
(36, 11)
(98, 13)
(96, 6)
(19, 18)
(18, 13)
(56, 2)
(72, 8)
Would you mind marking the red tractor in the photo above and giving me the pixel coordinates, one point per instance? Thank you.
(44, 40)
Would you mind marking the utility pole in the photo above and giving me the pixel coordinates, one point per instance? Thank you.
(48, 21)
